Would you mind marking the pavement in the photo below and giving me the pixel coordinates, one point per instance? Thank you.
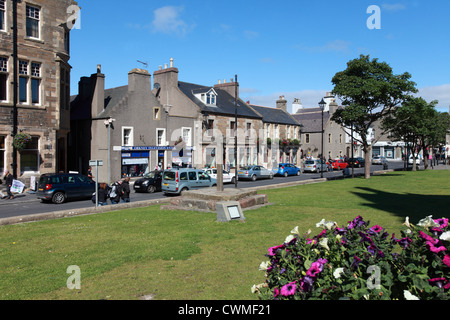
(146, 203)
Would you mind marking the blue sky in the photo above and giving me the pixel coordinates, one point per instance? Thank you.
(290, 48)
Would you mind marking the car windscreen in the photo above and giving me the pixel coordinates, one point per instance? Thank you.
(309, 162)
(246, 168)
(150, 175)
(169, 175)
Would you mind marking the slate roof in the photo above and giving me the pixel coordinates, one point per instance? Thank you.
(224, 103)
(274, 115)
(312, 119)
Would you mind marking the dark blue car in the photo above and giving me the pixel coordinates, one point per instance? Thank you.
(60, 187)
(286, 169)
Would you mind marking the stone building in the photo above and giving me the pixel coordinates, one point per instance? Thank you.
(43, 88)
(335, 144)
(280, 135)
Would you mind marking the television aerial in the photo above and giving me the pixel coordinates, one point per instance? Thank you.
(144, 64)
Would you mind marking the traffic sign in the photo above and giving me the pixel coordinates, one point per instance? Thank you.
(96, 163)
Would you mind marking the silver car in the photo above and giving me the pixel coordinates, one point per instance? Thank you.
(254, 173)
(175, 181)
(315, 165)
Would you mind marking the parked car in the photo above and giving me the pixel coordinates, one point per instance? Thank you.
(175, 181)
(60, 187)
(254, 173)
(379, 160)
(411, 160)
(150, 182)
(339, 164)
(228, 177)
(315, 165)
(286, 169)
(356, 162)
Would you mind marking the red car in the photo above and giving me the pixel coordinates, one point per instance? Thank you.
(339, 164)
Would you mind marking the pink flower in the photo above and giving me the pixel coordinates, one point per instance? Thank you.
(428, 238)
(442, 222)
(316, 267)
(376, 228)
(435, 249)
(289, 289)
(446, 260)
(276, 292)
(273, 250)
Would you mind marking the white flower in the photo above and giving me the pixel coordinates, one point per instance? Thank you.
(406, 223)
(445, 236)
(428, 222)
(326, 224)
(409, 296)
(324, 243)
(264, 266)
(337, 273)
(289, 238)
(295, 230)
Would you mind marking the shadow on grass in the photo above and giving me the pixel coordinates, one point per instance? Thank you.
(414, 206)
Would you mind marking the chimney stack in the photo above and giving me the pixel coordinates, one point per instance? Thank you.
(282, 103)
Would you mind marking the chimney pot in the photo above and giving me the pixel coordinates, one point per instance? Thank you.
(99, 68)
(171, 62)
(220, 81)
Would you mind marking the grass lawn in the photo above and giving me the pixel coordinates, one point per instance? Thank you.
(188, 255)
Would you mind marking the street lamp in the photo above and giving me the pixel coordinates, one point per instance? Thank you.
(322, 105)
(109, 123)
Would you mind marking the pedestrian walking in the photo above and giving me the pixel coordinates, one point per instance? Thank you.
(8, 182)
(103, 194)
(126, 190)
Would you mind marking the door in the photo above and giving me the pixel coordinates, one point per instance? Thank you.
(85, 186)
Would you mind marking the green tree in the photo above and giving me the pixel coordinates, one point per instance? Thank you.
(369, 92)
(413, 123)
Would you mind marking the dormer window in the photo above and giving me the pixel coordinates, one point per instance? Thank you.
(209, 98)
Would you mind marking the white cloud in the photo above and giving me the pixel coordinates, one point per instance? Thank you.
(309, 98)
(440, 93)
(393, 7)
(331, 46)
(167, 20)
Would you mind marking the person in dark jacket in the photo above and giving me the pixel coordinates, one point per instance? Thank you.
(126, 190)
(8, 182)
(116, 192)
(102, 195)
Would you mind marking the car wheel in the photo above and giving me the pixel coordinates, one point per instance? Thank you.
(271, 176)
(183, 190)
(233, 180)
(151, 189)
(285, 174)
(298, 172)
(253, 177)
(58, 198)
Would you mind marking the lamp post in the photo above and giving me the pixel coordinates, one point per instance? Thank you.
(235, 134)
(322, 107)
(109, 123)
(15, 85)
(167, 108)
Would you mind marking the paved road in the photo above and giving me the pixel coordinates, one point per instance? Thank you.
(28, 204)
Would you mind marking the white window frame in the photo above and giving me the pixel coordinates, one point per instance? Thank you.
(33, 17)
(130, 137)
(163, 137)
(38, 154)
(3, 10)
(27, 71)
(189, 140)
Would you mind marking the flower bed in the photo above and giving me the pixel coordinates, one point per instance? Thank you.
(360, 262)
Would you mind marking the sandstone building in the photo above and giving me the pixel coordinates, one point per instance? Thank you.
(43, 84)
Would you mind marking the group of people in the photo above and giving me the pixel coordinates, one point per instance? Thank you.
(119, 191)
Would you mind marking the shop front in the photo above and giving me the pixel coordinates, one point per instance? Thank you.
(136, 161)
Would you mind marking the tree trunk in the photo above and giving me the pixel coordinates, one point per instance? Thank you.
(368, 161)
